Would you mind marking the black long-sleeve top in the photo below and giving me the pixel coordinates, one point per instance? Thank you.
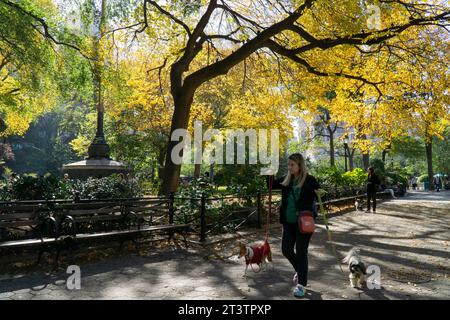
(306, 199)
(372, 183)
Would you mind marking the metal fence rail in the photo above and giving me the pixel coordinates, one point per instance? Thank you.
(208, 215)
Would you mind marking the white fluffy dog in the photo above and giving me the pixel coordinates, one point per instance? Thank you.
(356, 267)
(358, 205)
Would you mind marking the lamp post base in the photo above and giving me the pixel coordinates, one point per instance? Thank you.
(98, 149)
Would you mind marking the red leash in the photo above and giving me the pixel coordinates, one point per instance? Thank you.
(259, 252)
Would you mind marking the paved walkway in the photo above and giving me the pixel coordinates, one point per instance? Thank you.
(408, 238)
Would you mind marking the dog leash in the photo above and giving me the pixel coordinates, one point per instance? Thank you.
(269, 212)
(329, 233)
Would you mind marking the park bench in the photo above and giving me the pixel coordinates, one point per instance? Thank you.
(57, 226)
(20, 217)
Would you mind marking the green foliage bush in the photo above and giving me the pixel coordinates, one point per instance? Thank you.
(241, 179)
(330, 176)
(32, 187)
(397, 178)
(339, 184)
(106, 188)
(379, 167)
(355, 178)
(188, 204)
(196, 189)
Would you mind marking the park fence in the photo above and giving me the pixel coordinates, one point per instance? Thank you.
(207, 215)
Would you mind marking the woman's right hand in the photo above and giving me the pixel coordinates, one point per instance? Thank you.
(320, 192)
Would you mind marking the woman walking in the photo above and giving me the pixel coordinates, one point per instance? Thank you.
(298, 194)
(372, 186)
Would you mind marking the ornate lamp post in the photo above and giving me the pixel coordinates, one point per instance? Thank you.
(99, 149)
(98, 163)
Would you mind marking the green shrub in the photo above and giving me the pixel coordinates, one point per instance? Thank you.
(194, 190)
(355, 178)
(397, 178)
(423, 178)
(241, 179)
(4, 191)
(111, 187)
(330, 176)
(32, 187)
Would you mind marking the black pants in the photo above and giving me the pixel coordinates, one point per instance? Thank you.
(299, 259)
(372, 196)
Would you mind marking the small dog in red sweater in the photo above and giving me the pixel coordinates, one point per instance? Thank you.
(257, 253)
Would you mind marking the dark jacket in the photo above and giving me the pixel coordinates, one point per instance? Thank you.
(372, 183)
(306, 199)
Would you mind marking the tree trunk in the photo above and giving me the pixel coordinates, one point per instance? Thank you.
(366, 160)
(161, 156)
(383, 156)
(385, 152)
(183, 88)
(182, 101)
(197, 170)
(429, 151)
(211, 172)
(351, 164)
(331, 136)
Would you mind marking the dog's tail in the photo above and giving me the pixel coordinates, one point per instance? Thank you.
(346, 258)
(267, 249)
(269, 256)
(352, 252)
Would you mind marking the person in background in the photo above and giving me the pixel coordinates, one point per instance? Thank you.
(372, 186)
(414, 183)
(437, 183)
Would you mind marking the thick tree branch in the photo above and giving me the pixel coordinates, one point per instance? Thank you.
(364, 38)
(166, 13)
(302, 33)
(275, 47)
(200, 27)
(222, 66)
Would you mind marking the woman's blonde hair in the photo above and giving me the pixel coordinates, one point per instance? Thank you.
(297, 158)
